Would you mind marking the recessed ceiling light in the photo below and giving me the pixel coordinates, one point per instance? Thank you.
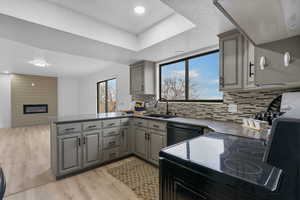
(6, 72)
(40, 62)
(139, 10)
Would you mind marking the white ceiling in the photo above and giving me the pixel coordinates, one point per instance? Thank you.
(75, 48)
(15, 57)
(119, 13)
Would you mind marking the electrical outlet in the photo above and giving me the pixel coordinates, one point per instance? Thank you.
(233, 108)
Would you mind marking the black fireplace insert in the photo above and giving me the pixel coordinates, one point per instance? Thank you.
(35, 108)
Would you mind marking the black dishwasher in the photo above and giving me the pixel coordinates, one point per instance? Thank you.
(180, 132)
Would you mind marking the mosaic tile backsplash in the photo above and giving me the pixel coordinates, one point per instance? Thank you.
(248, 102)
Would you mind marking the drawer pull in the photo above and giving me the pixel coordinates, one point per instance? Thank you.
(111, 133)
(69, 129)
(155, 126)
(92, 126)
(111, 143)
(112, 155)
(111, 124)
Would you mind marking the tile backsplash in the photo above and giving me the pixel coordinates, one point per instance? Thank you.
(248, 103)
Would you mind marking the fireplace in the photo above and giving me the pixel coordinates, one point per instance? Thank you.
(35, 108)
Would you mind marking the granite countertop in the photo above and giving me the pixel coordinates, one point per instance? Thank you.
(221, 127)
(228, 159)
(88, 117)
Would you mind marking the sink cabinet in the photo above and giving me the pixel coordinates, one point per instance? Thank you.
(156, 143)
(150, 138)
(141, 142)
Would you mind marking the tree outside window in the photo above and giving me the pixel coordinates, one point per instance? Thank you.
(106, 96)
(191, 79)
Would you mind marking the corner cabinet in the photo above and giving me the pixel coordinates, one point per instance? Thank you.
(142, 78)
(231, 60)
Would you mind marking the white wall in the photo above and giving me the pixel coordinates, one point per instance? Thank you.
(68, 96)
(5, 105)
(88, 88)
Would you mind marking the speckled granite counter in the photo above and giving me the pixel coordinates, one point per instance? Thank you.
(220, 127)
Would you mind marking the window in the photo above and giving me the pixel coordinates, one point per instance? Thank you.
(106, 96)
(191, 79)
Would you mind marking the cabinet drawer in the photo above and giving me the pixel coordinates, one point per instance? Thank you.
(111, 154)
(124, 121)
(158, 125)
(68, 128)
(111, 132)
(110, 142)
(91, 125)
(141, 123)
(111, 123)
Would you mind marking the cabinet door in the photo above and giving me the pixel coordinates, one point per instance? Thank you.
(249, 64)
(156, 143)
(124, 148)
(69, 153)
(141, 142)
(91, 150)
(231, 61)
(137, 79)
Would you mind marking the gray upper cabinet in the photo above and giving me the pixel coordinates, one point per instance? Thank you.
(249, 65)
(92, 148)
(142, 78)
(155, 145)
(69, 151)
(231, 60)
(141, 142)
(275, 73)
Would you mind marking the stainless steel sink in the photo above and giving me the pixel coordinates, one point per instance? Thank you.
(160, 116)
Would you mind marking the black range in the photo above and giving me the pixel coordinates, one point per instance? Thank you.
(217, 164)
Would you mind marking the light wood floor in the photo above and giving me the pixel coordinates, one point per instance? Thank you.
(25, 159)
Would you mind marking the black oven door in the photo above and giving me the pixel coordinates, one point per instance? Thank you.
(183, 192)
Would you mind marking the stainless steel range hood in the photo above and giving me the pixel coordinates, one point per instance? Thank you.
(263, 21)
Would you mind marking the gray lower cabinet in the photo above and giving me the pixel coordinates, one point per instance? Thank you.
(69, 153)
(148, 143)
(156, 143)
(125, 137)
(91, 148)
(141, 142)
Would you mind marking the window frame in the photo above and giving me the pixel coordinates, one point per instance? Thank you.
(186, 60)
(106, 96)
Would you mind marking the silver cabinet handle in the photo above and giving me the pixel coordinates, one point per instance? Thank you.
(79, 142)
(92, 126)
(112, 155)
(111, 143)
(155, 126)
(111, 133)
(69, 129)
